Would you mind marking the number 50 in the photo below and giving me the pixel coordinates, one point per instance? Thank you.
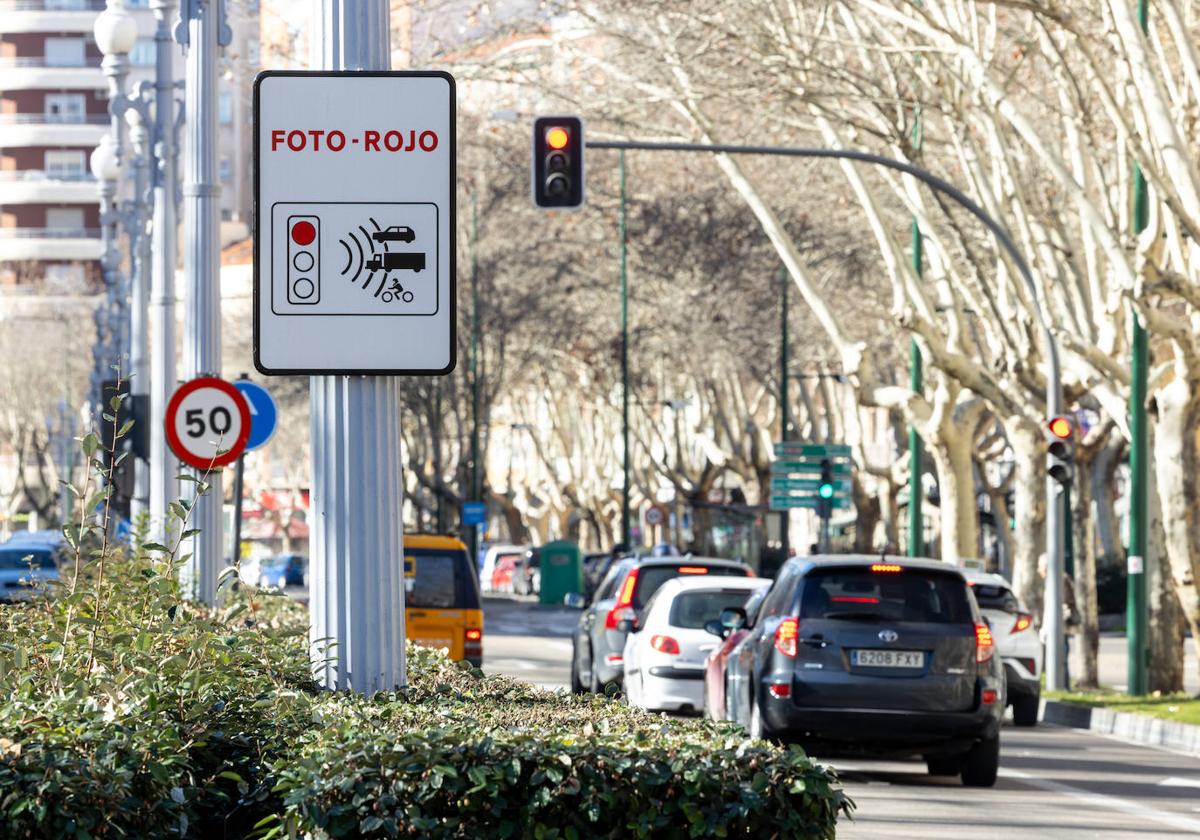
(219, 420)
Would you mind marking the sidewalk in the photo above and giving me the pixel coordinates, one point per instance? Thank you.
(1114, 661)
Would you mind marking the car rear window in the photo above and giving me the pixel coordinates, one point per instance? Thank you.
(692, 610)
(862, 594)
(21, 558)
(437, 580)
(650, 578)
(992, 597)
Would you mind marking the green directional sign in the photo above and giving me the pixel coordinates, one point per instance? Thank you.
(781, 501)
(795, 449)
(807, 485)
(840, 469)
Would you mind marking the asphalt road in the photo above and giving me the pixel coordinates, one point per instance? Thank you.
(1054, 782)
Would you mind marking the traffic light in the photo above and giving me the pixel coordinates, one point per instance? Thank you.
(558, 162)
(1060, 449)
(825, 490)
(304, 260)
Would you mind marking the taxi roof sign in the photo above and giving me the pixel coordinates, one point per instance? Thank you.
(354, 257)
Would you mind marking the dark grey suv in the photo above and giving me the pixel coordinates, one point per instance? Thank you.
(598, 645)
(876, 656)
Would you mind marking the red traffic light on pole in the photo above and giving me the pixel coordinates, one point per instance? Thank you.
(558, 162)
(1060, 449)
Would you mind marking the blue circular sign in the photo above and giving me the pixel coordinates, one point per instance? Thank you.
(264, 415)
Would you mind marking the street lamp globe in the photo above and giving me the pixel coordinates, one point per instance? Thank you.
(115, 30)
(105, 164)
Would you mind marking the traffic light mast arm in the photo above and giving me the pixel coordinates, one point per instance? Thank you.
(1053, 380)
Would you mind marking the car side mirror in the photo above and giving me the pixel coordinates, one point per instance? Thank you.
(714, 626)
(733, 618)
(574, 601)
(627, 625)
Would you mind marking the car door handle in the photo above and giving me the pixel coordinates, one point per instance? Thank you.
(815, 641)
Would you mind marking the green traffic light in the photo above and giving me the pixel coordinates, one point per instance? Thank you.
(826, 491)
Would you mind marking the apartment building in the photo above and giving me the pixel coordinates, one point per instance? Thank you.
(53, 111)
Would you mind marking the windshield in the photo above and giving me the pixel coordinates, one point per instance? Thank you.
(692, 610)
(650, 578)
(438, 580)
(20, 558)
(863, 595)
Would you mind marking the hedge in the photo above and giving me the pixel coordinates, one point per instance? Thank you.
(126, 712)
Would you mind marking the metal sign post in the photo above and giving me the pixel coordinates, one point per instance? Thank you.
(264, 417)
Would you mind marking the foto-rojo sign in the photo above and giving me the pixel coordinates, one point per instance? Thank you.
(354, 223)
(207, 423)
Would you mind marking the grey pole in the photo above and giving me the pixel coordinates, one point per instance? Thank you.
(356, 594)
(1056, 513)
(201, 30)
(135, 219)
(164, 487)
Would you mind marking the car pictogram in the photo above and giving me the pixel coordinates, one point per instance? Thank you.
(396, 233)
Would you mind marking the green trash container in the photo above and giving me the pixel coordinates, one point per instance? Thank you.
(561, 571)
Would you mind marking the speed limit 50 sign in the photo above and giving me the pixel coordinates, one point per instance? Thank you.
(207, 423)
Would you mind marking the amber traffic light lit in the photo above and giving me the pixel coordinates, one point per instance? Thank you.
(557, 138)
(1060, 427)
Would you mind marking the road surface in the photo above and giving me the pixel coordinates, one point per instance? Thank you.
(1054, 782)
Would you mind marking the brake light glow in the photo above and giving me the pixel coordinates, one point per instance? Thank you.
(886, 567)
(474, 635)
(665, 644)
(1024, 622)
(624, 599)
(989, 696)
(780, 690)
(693, 570)
(985, 646)
(854, 599)
(786, 635)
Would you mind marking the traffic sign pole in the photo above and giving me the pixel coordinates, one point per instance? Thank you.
(356, 584)
(263, 418)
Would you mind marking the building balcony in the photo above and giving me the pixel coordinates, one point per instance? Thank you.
(61, 16)
(36, 186)
(80, 78)
(20, 130)
(58, 244)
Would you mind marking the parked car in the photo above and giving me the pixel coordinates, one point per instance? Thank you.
(443, 608)
(873, 655)
(28, 560)
(1017, 643)
(527, 573)
(282, 570)
(731, 626)
(665, 651)
(597, 646)
(492, 558)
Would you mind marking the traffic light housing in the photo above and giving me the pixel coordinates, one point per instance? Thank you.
(825, 490)
(1060, 449)
(558, 162)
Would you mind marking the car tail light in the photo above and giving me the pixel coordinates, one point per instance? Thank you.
(785, 636)
(1030, 665)
(886, 567)
(624, 600)
(613, 658)
(664, 644)
(1024, 622)
(854, 599)
(473, 643)
(780, 690)
(989, 696)
(985, 646)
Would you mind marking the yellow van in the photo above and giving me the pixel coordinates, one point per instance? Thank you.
(442, 607)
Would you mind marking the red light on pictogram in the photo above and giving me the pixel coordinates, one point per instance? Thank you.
(557, 138)
(303, 233)
(1060, 427)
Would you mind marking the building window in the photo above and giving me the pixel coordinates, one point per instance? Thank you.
(225, 108)
(65, 278)
(226, 170)
(65, 164)
(143, 53)
(65, 107)
(64, 52)
(65, 219)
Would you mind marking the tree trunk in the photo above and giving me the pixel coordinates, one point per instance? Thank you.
(1164, 665)
(1029, 510)
(866, 518)
(1177, 484)
(956, 487)
(1083, 522)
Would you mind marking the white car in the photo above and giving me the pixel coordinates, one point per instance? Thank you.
(491, 557)
(1017, 642)
(665, 654)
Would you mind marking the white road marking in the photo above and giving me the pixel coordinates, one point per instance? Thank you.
(1113, 803)
(1175, 781)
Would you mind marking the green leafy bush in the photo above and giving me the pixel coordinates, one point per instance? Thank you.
(127, 712)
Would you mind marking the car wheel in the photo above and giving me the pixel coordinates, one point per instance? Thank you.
(982, 762)
(1025, 709)
(943, 765)
(576, 682)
